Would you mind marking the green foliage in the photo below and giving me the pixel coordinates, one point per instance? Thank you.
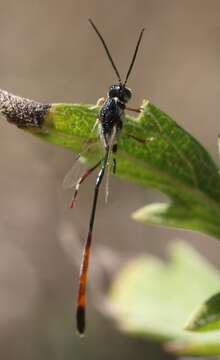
(207, 316)
(171, 161)
(153, 298)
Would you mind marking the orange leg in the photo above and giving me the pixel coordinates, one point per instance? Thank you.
(80, 181)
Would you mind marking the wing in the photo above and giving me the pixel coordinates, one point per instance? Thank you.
(75, 171)
(73, 174)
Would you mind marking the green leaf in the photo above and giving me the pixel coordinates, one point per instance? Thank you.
(207, 316)
(153, 298)
(172, 162)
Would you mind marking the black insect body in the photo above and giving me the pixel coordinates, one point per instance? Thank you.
(112, 112)
(110, 122)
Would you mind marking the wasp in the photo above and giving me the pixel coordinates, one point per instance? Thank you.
(110, 122)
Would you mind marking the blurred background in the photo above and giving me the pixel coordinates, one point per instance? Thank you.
(50, 53)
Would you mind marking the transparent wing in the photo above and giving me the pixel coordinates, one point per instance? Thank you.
(78, 166)
(74, 173)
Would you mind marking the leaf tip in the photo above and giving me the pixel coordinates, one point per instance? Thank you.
(206, 317)
(152, 213)
(191, 324)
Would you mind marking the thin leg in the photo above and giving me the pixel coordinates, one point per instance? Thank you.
(111, 146)
(114, 150)
(134, 110)
(100, 101)
(107, 178)
(141, 141)
(81, 300)
(80, 181)
(114, 166)
(95, 126)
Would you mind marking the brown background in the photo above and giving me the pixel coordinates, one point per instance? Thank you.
(50, 53)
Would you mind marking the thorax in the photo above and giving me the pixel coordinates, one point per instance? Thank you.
(111, 114)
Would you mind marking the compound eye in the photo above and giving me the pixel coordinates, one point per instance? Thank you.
(128, 93)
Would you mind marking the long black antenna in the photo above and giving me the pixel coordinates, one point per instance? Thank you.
(106, 49)
(134, 56)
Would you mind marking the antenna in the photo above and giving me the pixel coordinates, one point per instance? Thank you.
(134, 56)
(107, 50)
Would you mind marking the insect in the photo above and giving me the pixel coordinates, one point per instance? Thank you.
(110, 123)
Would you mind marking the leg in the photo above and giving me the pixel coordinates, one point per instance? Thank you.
(141, 141)
(114, 166)
(134, 110)
(95, 126)
(80, 181)
(100, 101)
(81, 300)
(114, 150)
